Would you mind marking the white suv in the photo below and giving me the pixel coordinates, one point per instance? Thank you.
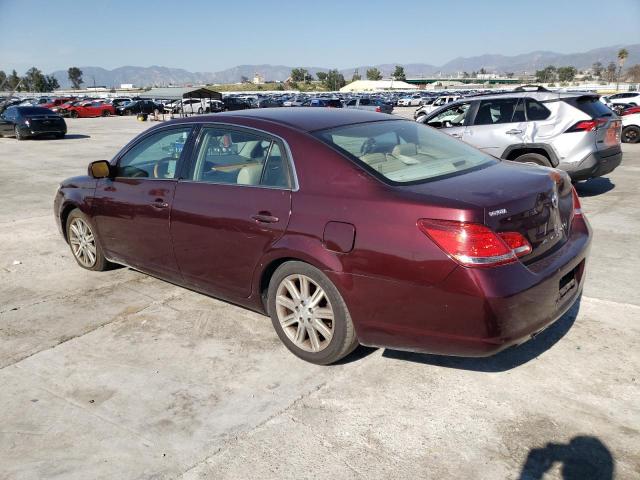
(574, 132)
(628, 98)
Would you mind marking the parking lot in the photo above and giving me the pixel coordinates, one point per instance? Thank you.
(118, 375)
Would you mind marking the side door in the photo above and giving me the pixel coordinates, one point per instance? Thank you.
(232, 207)
(131, 210)
(497, 124)
(451, 120)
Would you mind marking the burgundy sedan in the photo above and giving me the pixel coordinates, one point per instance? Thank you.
(346, 227)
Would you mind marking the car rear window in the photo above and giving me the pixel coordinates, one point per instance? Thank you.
(35, 111)
(403, 152)
(592, 106)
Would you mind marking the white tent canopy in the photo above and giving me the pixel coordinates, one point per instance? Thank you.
(377, 85)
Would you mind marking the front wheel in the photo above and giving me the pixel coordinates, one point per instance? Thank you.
(83, 242)
(106, 113)
(19, 135)
(631, 134)
(73, 114)
(309, 314)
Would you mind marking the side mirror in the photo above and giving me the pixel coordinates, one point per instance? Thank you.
(100, 169)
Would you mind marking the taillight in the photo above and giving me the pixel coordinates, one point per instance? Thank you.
(577, 207)
(378, 109)
(587, 125)
(473, 244)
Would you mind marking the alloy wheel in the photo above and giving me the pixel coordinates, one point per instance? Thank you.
(305, 313)
(83, 244)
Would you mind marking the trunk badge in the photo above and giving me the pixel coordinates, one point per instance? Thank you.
(494, 213)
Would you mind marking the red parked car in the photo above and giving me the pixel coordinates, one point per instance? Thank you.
(57, 102)
(91, 109)
(344, 226)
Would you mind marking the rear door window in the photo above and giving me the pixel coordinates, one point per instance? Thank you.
(500, 110)
(536, 111)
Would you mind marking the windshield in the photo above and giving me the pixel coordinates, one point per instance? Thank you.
(404, 152)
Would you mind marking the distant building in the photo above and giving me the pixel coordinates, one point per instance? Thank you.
(258, 79)
(377, 85)
(126, 86)
(487, 76)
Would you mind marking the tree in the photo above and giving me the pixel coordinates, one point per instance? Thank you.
(75, 77)
(13, 81)
(465, 75)
(51, 83)
(398, 73)
(622, 57)
(610, 74)
(566, 74)
(34, 80)
(374, 74)
(597, 69)
(300, 75)
(3, 79)
(244, 79)
(322, 76)
(633, 74)
(483, 71)
(356, 76)
(334, 80)
(546, 75)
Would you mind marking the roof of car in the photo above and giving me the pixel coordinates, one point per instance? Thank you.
(541, 96)
(302, 118)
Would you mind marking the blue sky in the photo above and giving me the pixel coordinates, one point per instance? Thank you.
(201, 35)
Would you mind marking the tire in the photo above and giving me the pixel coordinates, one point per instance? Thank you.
(81, 237)
(200, 111)
(73, 114)
(19, 136)
(106, 113)
(60, 136)
(631, 134)
(128, 113)
(329, 312)
(533, 158)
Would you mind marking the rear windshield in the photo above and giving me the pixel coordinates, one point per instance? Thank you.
(34, 111)
(592, 106)
(404, 152)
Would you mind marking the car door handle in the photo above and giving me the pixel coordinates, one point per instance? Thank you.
(264, 218)
(159, 203)
(456, 135)
(513, 131)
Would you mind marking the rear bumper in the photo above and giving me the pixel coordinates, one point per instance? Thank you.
(474, 312)
(594, 165)
(34, 132)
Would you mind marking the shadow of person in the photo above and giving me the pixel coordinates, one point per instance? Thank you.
(594, 186)
(505, 360)
(583, 458)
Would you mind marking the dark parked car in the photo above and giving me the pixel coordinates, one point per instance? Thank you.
(139, 106)
(26, 122)
(344, 226)
(233, 103)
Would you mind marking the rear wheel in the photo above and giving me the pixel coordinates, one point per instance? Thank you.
(309, 314)
(200, 111)
(631, 134)
(106, 113)
(83, 242)
(534, 158)
(60, 135)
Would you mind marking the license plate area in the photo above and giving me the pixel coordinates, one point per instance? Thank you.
(567, 284)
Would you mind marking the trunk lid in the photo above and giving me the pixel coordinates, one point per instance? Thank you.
(535, 201)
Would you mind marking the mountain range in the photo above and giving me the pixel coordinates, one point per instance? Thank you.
(527, 62)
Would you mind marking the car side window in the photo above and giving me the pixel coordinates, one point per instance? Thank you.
(536, 110)
(237, 157)
(491, 112)
(154, 157)
(450, 117)
(365, 101)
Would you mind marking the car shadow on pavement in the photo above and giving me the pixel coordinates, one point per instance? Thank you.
(507, 359)
(75, 136)
(595, 186)
(583, 458)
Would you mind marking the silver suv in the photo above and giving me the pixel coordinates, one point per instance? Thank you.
(574, 132)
